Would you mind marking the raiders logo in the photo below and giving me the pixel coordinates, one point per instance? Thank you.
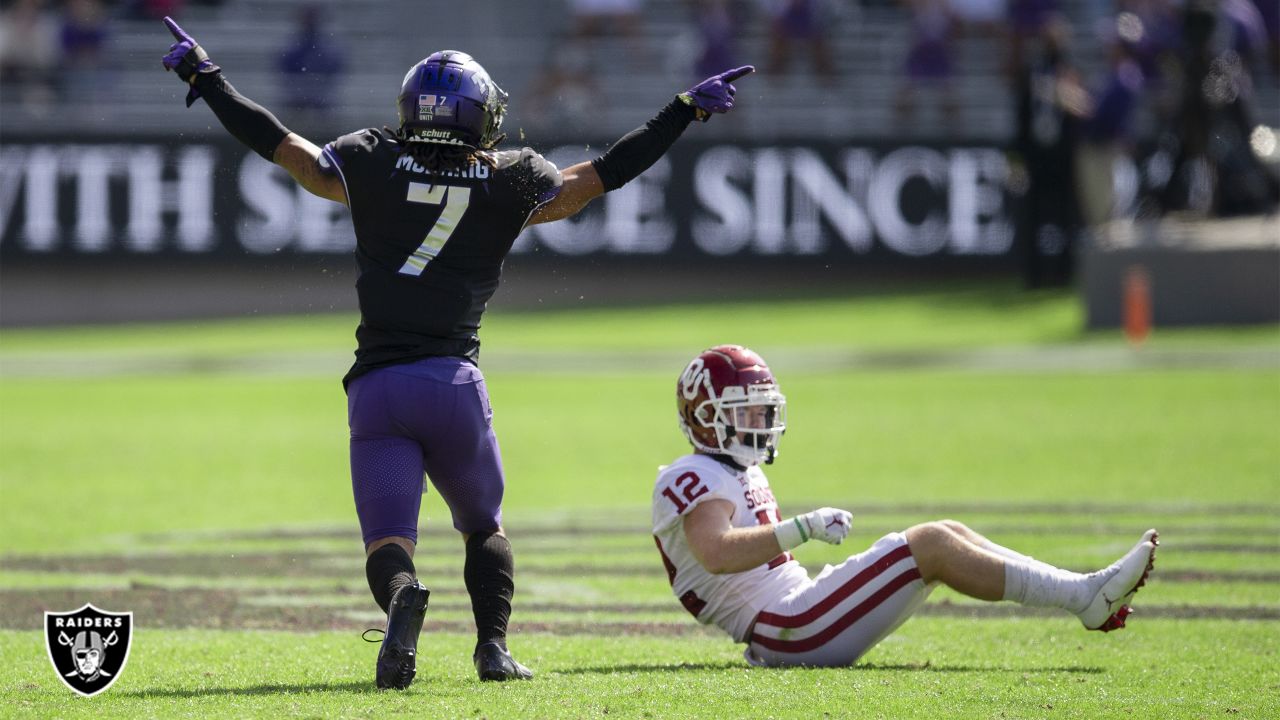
(88, 647)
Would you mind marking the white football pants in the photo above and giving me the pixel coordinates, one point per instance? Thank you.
(842, 613)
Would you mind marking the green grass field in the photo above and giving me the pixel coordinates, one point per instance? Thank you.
(196, 474)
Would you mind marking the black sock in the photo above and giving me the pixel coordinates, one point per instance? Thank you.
(488, 572)
(388, 569)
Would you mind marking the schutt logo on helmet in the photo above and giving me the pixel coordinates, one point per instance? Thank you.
(449, 99)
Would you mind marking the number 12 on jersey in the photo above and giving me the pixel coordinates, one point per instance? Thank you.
(692, 489)
(456, 200)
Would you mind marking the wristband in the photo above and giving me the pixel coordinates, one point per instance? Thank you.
(195, 61)
(699, 113)
(790, 533)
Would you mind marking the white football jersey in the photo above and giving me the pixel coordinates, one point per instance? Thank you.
(732, 600)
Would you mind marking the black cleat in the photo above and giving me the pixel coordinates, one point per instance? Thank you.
(397, 658)
(493, 662)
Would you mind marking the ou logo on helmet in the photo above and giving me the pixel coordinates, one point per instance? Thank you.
(694, 378)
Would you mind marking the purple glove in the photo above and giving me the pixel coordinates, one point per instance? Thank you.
(715, 94)
(186, 58)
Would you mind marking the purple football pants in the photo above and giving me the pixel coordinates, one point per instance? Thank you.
(431, 416)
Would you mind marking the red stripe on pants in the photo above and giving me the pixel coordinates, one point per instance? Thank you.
(838, 595)
(857, 613)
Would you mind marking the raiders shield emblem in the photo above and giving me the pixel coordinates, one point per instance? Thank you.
(88, 647)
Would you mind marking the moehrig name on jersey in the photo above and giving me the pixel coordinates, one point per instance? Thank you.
(475, 171)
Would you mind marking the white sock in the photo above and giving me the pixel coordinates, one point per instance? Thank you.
(1013, 554)
(1041, 585)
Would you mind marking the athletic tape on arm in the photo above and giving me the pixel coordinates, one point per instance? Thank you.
(790, 533)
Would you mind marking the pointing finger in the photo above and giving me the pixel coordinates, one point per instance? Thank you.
(177, 30)
(736, 73)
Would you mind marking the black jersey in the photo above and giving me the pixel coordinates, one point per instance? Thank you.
(429, 245)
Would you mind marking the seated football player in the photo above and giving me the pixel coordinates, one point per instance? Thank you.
(727, 550)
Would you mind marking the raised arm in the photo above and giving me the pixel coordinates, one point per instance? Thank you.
(580, 185)
(301, 158)
(248, 121)
(639, 149)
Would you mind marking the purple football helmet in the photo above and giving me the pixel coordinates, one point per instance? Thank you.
(449, 98)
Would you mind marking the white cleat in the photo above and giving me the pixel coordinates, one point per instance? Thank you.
(1110, 605)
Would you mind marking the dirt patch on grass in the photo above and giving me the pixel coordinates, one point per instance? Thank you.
(230, 610)
(157, 608)
(1055, 513)
(237, 610)
(318, 589)
(283, 565)
(349, 566)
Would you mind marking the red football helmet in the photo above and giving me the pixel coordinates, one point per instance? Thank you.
(729, 404)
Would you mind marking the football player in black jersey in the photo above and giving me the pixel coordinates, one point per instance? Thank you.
(436, 208)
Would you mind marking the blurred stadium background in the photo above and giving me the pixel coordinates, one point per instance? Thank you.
(959, 201)
(1055, 142)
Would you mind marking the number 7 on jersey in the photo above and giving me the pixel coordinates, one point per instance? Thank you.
(456, 200)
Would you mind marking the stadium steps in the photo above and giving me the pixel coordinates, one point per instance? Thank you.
(516, 41)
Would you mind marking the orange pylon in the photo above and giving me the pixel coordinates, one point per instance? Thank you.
(1137, 304)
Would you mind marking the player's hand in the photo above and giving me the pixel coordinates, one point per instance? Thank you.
(715, 94)
(186, 58)
(828, 524)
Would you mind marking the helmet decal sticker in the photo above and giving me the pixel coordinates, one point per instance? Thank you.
(694, 376)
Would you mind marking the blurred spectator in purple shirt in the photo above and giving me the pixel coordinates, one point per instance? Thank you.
(84, 39)
(1151, 31)
(800, 22)
(1106, 135)
(717, 28)
(1116, 100)
(154, 9)
(928, 66)
(594, 19)
(1246, 31)
(982, 17)
(1029, 17)
(566, 95)
(1269, 10)
(311, 63)
(84, 33)
(1027, 21)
